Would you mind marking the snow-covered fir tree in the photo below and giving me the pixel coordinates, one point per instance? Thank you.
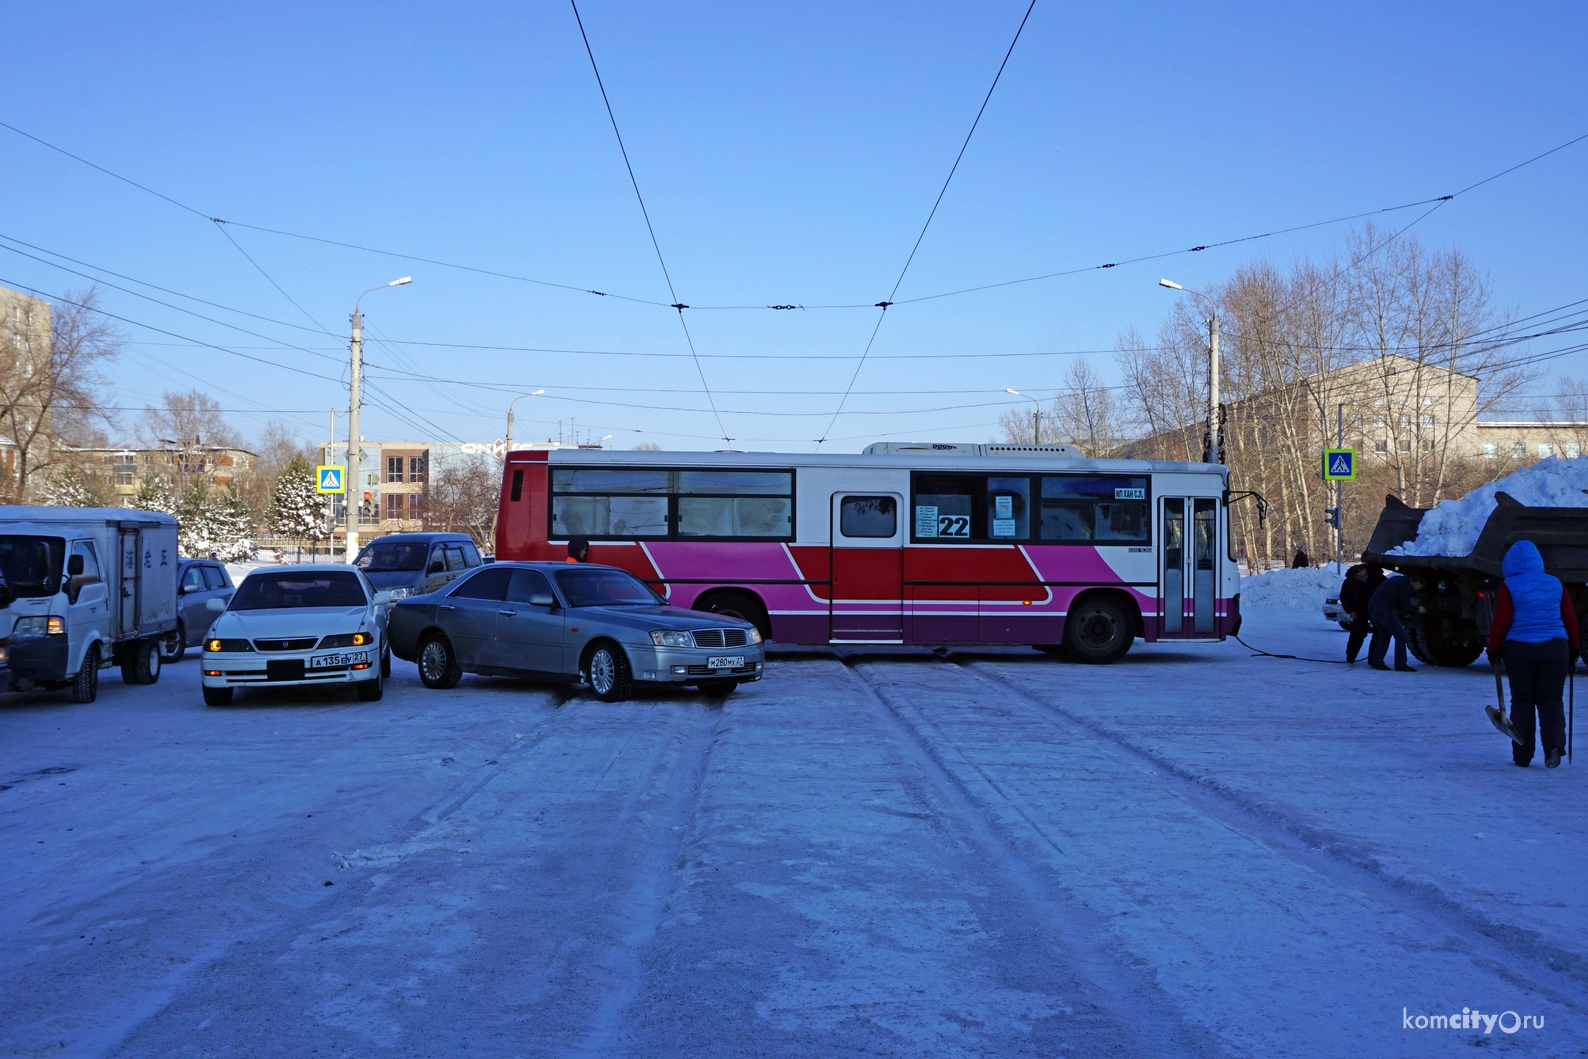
(298, 510)
(231, 526)
(155, 495)
(68, 486)
(193, 535)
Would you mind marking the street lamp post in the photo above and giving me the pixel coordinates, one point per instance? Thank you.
(1036, 415)
(354, 442)
(510, 405)
(1213, 367)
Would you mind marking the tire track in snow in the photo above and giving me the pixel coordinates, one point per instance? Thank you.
(646, 902)
(1556, 973)
(1124, 985)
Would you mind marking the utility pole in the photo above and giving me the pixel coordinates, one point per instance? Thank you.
(1036, 414)
(510, 405)
(350, 481)
(1214, 426)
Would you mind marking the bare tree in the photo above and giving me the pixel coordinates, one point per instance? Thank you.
(464, 496)
(192, 418)
(647, 446)
(49, 374)
(1085, 413)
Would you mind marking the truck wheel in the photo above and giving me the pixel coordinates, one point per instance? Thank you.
(1447, 647)
(85, 686)
(173, 645)
(141, 662)
(217, 696)
(1099, 631)
(1418, 646)
(608, 673)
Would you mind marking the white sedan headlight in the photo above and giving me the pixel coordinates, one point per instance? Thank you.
(670, 638)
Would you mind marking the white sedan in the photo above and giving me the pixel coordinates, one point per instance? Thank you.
(298, 626)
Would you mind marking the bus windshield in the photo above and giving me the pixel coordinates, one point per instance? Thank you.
(604, 588)
(32, 565)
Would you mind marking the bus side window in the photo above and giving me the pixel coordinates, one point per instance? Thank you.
(518, 486)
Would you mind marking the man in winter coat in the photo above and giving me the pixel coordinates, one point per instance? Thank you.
(1535, 632)
(1360, 583)
(1385, 607)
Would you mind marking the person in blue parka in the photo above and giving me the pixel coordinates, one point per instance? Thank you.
(1534, 632)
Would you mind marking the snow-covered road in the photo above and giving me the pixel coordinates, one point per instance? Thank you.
(1195, 852)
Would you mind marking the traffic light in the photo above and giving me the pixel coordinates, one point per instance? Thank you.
(1331, 515)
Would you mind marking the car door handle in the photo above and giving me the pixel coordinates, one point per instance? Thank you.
(447, 606)
(508, 613)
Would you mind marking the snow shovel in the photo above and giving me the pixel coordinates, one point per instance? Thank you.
(1497, 717)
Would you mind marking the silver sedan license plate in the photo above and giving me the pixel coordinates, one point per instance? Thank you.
(725, 662)
(328, 661)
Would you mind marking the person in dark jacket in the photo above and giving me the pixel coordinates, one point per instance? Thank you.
(1535, 633)
(1385, 607)
(1301, 561)
(1360, 583)
(578, 550)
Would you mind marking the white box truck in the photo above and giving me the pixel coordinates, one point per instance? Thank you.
(85, 587)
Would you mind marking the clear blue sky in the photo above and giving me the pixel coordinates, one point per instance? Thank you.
(788, 154)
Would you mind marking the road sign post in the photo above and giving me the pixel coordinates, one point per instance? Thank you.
(1339, 466)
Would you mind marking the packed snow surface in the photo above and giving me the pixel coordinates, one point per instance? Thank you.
(1452, 527)
(1193, 854)
(1303, 589)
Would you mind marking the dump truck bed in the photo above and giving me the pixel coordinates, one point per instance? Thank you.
(1561, 534)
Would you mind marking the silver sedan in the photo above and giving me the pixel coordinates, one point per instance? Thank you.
(571, 622)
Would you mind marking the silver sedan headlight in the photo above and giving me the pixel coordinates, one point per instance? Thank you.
(754, 635)
(399, 593)
(670, 638)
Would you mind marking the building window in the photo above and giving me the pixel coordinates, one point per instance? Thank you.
(1356, 421)
(1519, 450)
(416, 506)
(1491, 450)
(1573, 449)
(1428, 421)
(1406, 420)
(1545, 450)
(1406, 446)
(417, 471)
(394, 506)
(1428, 445)
(1381, 445)
(1381, 421)
(394, 468)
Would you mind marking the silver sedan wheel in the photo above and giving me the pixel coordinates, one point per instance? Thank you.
(433, 660)
(603, 671)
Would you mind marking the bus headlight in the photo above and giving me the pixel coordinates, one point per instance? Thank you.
(671, 638)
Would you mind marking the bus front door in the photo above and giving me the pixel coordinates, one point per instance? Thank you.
(867, 562)
(1188, 567)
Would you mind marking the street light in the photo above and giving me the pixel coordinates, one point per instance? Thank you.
(350, 485)
(510, 405)
(1213, 366)
(1036, 414)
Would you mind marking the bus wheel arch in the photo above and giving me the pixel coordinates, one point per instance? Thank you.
(737, 603)
(1101, 626)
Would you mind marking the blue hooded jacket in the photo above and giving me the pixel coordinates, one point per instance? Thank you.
(1535, 596)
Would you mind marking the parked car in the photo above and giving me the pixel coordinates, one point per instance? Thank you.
(301, 625)
(197, 582)
(566, 622)
(411, 564)
(1332, 611)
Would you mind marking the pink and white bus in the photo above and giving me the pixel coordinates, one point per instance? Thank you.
(933, 544)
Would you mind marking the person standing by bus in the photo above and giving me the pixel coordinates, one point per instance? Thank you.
(578, 550)
(1388, 602)
(1535, 633)
(1360, 583)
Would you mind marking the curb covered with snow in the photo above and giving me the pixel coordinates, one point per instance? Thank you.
(1452, 527)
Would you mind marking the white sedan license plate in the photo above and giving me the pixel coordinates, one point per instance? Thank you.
(327, 661)
(725, 662)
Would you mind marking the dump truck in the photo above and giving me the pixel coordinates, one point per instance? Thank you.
(1450, 622)
(85, 588)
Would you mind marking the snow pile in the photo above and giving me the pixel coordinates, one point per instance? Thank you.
(1303, 589)
(1453, 526)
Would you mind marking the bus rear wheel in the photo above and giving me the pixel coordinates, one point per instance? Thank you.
(1099, 631)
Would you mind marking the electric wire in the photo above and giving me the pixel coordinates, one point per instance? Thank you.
(882, 306)
(219, 227)
(677, 304)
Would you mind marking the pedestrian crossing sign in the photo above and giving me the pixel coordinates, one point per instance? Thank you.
(329, 479)
(1339, 465)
